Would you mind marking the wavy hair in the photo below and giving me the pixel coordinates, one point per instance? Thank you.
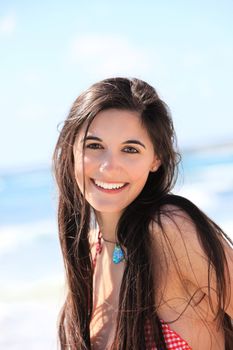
(138, 288)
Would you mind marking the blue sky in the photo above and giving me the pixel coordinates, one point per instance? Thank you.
(52, 50)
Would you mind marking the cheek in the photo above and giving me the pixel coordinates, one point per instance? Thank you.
(139, 171)
(87, 171)
(78, 170)
(89, 163)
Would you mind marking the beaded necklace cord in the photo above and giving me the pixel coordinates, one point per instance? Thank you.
(118, 254)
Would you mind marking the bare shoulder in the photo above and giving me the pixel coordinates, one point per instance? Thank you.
(180, 242)
(178, 229)
(175, 234)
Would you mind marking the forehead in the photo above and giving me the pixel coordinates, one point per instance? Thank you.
(116, 117)
(118, 123)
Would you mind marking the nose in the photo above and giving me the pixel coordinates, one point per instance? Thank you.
(109, 164)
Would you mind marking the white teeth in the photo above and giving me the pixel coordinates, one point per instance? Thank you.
(109, 186)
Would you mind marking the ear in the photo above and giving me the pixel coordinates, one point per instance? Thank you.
(155, 164)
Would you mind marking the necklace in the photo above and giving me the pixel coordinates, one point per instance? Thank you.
(118, 254)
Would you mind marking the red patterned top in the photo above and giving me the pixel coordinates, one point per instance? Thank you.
(172, 339)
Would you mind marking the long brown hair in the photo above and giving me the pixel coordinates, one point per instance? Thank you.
(138, 288)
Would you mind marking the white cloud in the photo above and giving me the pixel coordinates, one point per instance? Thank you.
(7, 24)
(99, 54)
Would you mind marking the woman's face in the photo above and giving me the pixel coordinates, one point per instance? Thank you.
(118, 156)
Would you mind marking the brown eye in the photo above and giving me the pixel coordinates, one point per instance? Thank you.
(94, 146)
(130, 150)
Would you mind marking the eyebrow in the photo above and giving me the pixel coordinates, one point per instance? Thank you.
(134, 141)
(95, 138)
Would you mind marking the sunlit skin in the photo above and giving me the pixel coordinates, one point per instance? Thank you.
(118, 150)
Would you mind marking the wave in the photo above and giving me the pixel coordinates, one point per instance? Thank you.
(14, 236)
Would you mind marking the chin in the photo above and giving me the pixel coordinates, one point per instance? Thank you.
(107, 208)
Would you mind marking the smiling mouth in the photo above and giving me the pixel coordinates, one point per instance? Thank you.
(109, 186)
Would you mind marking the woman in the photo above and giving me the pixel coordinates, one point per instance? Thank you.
(145, 269)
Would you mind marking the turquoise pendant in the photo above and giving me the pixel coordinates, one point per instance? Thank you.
(118, 254)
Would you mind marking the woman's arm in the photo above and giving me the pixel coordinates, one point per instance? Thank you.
(185, 250)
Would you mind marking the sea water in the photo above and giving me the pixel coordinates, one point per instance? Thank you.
(31, 270)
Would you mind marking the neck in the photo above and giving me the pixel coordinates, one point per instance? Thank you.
(107, 224)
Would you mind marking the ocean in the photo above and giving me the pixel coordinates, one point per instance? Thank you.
(31, 269)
